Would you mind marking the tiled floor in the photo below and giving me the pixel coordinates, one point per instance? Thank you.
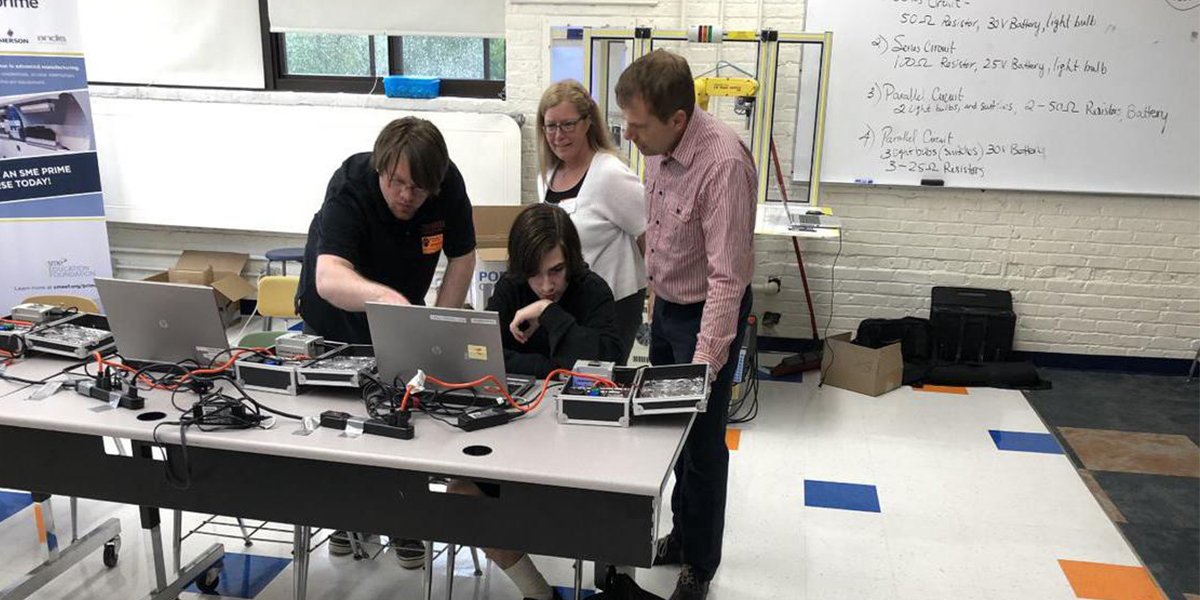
(1134, 452)
(832, 495)
(1134, 437)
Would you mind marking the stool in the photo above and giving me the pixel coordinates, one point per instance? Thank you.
(283, 255)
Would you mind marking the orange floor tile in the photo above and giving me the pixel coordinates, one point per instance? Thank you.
(733, 438)
(942, 389)
(1110, 582)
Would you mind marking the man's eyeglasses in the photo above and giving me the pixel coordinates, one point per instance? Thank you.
(564, 126)
(405, 187)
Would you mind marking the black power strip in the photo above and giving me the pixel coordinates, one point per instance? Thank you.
(397, 426)
(125, 400)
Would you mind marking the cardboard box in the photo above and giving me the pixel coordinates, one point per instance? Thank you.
(860, 369)
(492, 224)
(220, 270)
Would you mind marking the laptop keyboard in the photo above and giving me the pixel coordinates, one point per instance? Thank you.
(805, 220)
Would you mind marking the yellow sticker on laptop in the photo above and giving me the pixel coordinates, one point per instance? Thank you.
(476, 352)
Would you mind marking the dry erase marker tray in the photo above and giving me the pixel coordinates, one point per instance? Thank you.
(349, 365)
(670, 389)
(585, 402)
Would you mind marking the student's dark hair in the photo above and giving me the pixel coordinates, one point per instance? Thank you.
(663, 80)
(418, 141)
(537, 230)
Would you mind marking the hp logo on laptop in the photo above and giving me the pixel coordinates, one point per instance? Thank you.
(163, 323)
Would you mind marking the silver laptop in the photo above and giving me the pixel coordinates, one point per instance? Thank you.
(162, 322)
(453, 345)
(807, 218)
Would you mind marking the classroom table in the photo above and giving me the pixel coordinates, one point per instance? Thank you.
(575, 491)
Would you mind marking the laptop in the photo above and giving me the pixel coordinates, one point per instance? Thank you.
(157, 322)
(454, 345)
(808, 218)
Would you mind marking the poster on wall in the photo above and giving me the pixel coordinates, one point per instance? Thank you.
(53, 238)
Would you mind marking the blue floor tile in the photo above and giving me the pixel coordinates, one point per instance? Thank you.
(1019, 441)
(845, 496)
(765, 375)
(569, 592)
(245, 575)
(12, 502)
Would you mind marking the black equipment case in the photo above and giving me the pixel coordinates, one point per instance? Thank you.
(911, 332)
(971, 324)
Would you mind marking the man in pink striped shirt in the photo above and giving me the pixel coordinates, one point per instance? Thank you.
(701, 188)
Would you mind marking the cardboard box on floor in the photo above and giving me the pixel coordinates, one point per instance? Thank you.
(860, 369)
(220, 270)
(492, 224)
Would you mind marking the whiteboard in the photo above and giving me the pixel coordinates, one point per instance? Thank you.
(264, 167)
(1066, 95)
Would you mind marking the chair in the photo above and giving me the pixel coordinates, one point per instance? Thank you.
(284, 256)
(277, 297)
(80, 303)
(259, 339)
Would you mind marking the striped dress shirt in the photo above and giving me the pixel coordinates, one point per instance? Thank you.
(700, 238)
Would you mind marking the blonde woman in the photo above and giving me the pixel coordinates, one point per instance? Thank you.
(582, 174)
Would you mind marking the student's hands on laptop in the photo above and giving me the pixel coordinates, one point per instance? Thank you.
(526, 321)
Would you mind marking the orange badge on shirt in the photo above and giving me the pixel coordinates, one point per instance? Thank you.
(431, 244)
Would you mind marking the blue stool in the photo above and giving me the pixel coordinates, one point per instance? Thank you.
(282, 256)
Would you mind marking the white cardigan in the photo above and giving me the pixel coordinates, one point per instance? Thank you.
(610, 214)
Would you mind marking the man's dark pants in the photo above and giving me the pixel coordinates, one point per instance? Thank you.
(698, 502)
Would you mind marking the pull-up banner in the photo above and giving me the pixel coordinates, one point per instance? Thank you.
(53, 238)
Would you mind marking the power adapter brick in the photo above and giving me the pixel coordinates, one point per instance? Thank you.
(482, 419)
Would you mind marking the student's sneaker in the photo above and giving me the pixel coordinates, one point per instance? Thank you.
(410, 553)
(668, 551)
(690, 586)
(339, 543)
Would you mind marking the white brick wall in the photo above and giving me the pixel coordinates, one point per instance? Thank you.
(1085, 278)
(1089, 274)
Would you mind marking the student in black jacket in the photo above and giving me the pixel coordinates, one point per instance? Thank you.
(555, 310)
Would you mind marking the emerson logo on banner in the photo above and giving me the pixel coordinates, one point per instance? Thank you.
(11, 38)
(53, 237)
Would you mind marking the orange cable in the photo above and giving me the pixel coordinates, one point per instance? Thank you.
(232, 359)
(504, 389)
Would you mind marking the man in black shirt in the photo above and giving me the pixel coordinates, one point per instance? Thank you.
(388, 216)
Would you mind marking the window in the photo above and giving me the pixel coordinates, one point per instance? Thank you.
(316, 54)
(353, 63)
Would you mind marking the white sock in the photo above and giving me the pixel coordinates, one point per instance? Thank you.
(525, 575)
